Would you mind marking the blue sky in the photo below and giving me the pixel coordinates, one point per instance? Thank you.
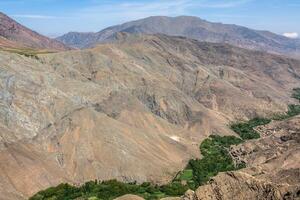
(55, 17)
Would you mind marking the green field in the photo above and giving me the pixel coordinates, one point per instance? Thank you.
(186, 175)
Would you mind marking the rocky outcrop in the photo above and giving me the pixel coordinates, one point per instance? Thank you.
(273, 167)
(239, 185)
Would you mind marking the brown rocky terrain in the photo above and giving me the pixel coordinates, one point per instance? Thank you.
(135, 109)
(273, 166)
(15, 35)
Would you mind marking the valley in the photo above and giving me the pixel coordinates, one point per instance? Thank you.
(150, 114)
(216, 158)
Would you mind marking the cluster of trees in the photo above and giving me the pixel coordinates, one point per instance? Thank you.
(215, 159)
(245, 129)
(111, 189)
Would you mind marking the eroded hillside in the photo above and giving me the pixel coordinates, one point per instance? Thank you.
(132, 110)
(273, 167)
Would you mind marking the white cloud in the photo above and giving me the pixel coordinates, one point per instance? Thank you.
(292, 35)
(35, 16)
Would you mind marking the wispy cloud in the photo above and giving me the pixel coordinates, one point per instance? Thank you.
(292, 35)
(35, 16)
(137, 9)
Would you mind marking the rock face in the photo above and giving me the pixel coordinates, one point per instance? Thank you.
(238, 185)
(136, 109)
(273, 167)
(195, 28)
(14, 35)
(277, 152)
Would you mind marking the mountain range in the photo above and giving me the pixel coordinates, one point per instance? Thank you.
(194, 28)
(136, 106)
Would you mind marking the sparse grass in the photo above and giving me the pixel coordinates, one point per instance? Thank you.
(31, 53)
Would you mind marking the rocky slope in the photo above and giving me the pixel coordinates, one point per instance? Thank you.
(14, 35)
(195, 28)
(136, 109)
(273, 170)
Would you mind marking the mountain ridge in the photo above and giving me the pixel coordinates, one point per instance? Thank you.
(194, 28)
(15, 35)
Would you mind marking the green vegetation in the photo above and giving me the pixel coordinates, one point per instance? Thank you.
(293, 110)
(245, 129)
(296, 93)
(110, 190)
(216, 158)
(185, 175)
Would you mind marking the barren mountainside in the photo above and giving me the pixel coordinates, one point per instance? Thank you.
(14, 35)
(273, 167)
(191, 27)
(134, 110)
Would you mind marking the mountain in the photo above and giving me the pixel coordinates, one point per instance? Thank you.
(191, 27)
(134, 110)
(14, 35)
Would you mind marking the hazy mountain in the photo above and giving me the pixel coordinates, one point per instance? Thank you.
(135, 110)
(195, 28)
(14, 35)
